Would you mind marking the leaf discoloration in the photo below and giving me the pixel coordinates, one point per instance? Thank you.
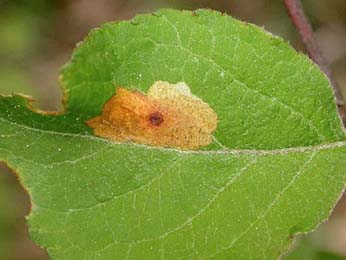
(168, 116)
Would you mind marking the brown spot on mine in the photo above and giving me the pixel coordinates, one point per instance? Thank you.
(156, 118)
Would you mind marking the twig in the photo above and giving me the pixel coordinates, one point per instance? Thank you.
(303, 26)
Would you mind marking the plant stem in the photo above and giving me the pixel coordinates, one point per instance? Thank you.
(303, 26)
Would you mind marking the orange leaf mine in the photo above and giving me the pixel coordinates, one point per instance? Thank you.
(168, 116)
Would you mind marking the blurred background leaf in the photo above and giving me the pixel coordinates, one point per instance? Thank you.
(15, 243)
(37, 37)
(307, 250)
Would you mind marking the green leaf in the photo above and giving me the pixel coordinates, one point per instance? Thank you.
(279, 172)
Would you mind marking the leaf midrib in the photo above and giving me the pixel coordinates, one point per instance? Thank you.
(281, 151)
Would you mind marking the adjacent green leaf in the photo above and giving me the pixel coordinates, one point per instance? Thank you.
(276, 170)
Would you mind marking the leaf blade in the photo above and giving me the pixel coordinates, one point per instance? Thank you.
(93, 198)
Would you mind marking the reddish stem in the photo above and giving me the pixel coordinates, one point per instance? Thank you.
(303, 26)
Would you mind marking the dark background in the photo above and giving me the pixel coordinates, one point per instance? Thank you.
(38, 36)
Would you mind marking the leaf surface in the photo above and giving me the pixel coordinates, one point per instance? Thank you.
(276, 168)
